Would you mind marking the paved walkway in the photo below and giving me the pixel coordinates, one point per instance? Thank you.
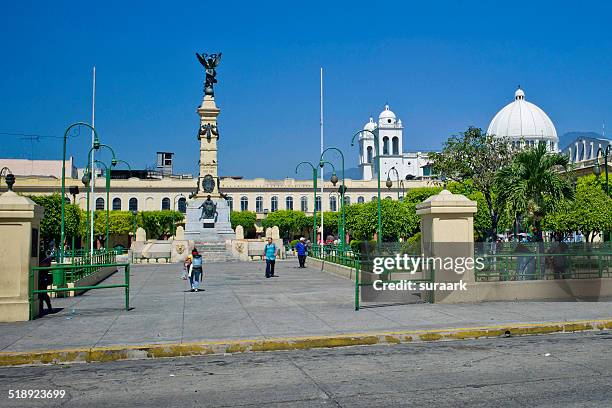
(239, 303)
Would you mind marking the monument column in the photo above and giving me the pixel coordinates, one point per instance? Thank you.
(208, 213)
(208, 135)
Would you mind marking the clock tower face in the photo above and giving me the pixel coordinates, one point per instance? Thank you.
(208, 183)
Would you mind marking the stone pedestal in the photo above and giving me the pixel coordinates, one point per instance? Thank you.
(202, 230)
(447, 231)
(20, 230)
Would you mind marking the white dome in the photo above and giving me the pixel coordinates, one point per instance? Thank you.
(523, 120)
(386, 116)
(371, 125)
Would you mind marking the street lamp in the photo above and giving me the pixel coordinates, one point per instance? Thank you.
(107, 172)
(334, 180)
(63, 221)
(389, 183)
(85, 180)
(314, 189)
(377, 147)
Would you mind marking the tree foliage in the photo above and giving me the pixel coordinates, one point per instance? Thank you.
(289, 222)
(589, 212)
(399, 219)
(50, 225)
(532, 184)
(245, 218)
(473, 158)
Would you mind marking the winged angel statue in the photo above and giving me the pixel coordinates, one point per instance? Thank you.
(209, 62)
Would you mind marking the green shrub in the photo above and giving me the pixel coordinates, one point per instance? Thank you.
(292, 243)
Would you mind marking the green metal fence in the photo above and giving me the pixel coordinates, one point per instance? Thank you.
(66, 269)
(541, 261)
(85, 263)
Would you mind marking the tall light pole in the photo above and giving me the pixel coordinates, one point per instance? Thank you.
(107, 172)
(96, 146)
(377, 147)
(334, 180)
(63, 217)
(86, 180)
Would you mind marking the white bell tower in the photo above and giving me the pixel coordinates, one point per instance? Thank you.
(367, 150)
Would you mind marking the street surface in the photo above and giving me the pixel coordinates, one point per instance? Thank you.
(560, 370)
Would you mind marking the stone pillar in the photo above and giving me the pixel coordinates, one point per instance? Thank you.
(20, 220)
(447, 231)
(208, 112)
(239, 232)
(141, 235)
(179, 235)
(275, 232)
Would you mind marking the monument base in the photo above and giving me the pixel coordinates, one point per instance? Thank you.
(201, 230)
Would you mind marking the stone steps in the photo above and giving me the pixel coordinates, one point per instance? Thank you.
(214, 252)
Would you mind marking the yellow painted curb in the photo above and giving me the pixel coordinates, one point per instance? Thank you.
(145, 351)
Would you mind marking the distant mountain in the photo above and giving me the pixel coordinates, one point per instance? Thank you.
(567, 138)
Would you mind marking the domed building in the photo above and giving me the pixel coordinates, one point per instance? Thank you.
(524, 124)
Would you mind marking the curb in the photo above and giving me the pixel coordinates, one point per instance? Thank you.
(146, 351)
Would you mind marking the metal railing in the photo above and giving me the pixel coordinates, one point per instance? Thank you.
(543, 261)
(68, 269)
(85, 263)
(331, 253)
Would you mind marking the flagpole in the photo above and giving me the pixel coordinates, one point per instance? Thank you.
(93, 166)
(322, 177)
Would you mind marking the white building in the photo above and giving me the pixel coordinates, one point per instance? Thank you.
(524, 124)
(389, 131)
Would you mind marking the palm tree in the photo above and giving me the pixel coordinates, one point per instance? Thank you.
(533, 184)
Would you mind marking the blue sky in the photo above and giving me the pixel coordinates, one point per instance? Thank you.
(441, 65)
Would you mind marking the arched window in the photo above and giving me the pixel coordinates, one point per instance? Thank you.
(318, 203)
(230, 202)
(333, 204)
(369, 158)
(274, 204)
(385, 145)
(347, 200)
(360, 199)
(259, 204)
(289, 203)
(99, 203)
(165, 203)
(304, 204)
(395, 145)
(374, 198)
(116, 204)
(182, 205)
(133, 204)
(244, 203)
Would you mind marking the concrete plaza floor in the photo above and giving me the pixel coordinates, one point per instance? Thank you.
(240, 303)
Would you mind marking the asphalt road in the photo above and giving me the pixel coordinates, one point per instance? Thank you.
(562, 370)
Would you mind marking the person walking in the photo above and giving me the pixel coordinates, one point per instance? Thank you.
(195, 271)
(270, 257)
(44, 281)
(301, 249)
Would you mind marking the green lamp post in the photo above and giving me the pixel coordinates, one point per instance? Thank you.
(334, 180)
(314, 189)
(63, 216)
(605, 153)
(377, 147)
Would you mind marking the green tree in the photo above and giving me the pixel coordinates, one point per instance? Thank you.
(533, 185)
(399, 219)
(50, 225)
(473, 159)
(289, 222)
(589, 212)
(245, 218)
(420, 194)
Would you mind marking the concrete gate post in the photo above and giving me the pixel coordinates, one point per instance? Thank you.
(447, 231)
(20, 229)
